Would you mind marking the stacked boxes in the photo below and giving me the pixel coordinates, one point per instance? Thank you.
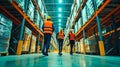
(84, 15)
(99, 2)
(27, 38)
(36, 18)
(5, 33)
(79, 23)
(90, 45)
(90, 8)
(76, 29)
(30, 11)
(41, 24)
(33, 44)
(40, 3)
(21, 3)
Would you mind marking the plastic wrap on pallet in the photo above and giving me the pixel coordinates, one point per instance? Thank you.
(5, 33)
(21, 3)
(99, 2)
(39, 3)
(36, 18)
(90, 8)
(84, 15)
(41, 24)
(76, 28)
(79, 23)
(27, 38)
(33, 44)
(30, 11)
(77, 3)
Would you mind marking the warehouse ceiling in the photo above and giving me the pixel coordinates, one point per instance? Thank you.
(59, 10)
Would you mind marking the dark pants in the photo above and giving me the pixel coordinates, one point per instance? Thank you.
(60, 45)
(47, 38)
(72, 42)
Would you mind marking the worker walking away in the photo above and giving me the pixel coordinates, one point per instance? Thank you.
(72, 41)
(60, 41)
(48, 29)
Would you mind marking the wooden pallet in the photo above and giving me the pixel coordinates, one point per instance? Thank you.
(4, 54)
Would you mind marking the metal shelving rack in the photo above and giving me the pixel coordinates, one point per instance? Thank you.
(12, 10)
(101, 16)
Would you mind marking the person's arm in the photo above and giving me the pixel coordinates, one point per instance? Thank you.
(43, 27)
(52, 28)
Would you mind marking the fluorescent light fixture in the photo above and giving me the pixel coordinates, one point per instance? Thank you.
(59, 20)
(59, 24)
(60, 1)
(59, 15)
(60, 9)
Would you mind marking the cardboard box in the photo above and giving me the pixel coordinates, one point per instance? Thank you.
(27, 39)
(5, 33)
(33, 44)
(21, 3)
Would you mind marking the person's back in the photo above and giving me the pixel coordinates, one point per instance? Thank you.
(47, 30)
(48, 27)
(60, 41)
(72, 41)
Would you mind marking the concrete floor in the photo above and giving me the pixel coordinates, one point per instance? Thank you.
(53, 60)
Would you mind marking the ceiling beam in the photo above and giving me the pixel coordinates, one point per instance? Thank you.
(58, 12)
(69, 4)
(56, 17)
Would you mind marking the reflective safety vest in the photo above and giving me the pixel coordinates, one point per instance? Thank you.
(47, 27)
(61, 35)
(72, 36)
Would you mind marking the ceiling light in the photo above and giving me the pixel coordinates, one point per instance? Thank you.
(60, 9)
(59, 20)
(59, 15)
(59, 24)
(60, 1)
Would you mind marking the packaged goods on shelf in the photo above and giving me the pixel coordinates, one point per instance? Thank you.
(84, 15)
(39, 3)
(21, 3)
(91, 44)
(104, 31)
(45, 16)
(79, 23)
(99, 2)
(33, 44)
(67, 22)
(27, 38)
(81, 45)
(36, 18)
(76, 29)
(74, 13)
(5, 33)
(41, 24)
(90, 8)
(30, 11)
(77, 4)
(72, 7)
(42, 9)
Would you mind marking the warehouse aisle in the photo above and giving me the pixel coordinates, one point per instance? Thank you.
(53, 60)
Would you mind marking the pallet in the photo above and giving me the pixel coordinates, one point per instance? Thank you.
(4, 54)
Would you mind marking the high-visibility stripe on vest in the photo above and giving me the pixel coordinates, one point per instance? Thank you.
(61, 35)
(72, 36)
(48, 27)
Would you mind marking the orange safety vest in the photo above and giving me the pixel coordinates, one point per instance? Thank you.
(47, 27)
(72, 36)
(61, 35)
